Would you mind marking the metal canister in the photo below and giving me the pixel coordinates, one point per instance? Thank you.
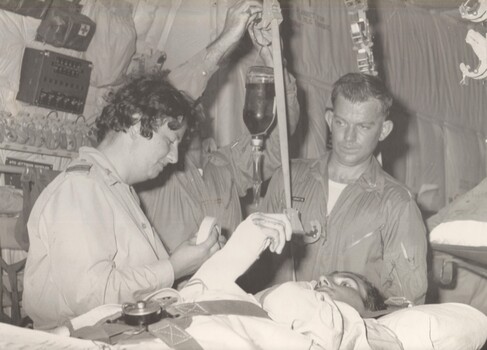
(141, 313)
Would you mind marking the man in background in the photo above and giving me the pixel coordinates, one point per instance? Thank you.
(210, 181)
(356, 217)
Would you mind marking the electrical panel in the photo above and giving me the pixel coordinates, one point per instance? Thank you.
(53, 80)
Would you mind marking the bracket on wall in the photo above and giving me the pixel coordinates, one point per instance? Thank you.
(361, 35)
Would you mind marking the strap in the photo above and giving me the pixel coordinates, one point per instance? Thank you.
(175, 5)
(174, 335)
(272, 10)
(217, 307)
(172, 331)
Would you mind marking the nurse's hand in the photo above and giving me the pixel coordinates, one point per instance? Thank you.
(189, 256)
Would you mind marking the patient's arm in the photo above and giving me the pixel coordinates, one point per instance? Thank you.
(249, 240)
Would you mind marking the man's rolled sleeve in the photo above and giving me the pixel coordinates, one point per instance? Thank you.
(193, 75)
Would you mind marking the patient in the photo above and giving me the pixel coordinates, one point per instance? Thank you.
(343, 286)
(298, 315)
(324, 314)
(318, 314)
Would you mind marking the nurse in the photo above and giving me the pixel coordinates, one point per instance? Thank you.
(90, 242)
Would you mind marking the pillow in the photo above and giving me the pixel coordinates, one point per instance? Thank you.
(470, 233)
(438, 326)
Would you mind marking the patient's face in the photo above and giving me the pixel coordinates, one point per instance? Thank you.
(344, 287)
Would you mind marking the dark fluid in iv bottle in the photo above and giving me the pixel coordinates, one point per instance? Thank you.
(258, 108)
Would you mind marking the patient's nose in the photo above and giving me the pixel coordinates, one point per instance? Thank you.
(324, 282)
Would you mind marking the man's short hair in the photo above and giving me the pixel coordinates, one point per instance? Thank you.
(360, 87)
(150, 96)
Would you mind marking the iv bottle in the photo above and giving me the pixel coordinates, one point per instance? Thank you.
(258, 116)
(258, 111)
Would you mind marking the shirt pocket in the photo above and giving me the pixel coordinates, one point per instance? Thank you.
(364, 242)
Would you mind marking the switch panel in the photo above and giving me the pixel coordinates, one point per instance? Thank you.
(53, 80)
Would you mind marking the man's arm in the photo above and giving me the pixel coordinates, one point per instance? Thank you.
(405, 247)
(193, 75)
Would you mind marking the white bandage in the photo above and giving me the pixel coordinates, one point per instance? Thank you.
(208, 224)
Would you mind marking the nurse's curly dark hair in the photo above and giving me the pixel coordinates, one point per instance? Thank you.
(149, 98)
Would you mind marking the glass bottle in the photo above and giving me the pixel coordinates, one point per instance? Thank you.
(258, 115)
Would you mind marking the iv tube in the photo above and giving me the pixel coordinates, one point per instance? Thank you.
(256, 168)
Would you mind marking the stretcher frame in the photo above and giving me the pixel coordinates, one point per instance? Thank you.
(446, 258)
(13, 296)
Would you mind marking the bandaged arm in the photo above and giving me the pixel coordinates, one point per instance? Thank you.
(249, 240)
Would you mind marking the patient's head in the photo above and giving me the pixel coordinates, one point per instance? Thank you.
(353, 289)
(298, 302)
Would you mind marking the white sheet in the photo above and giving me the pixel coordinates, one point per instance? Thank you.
(449, 326)
(17, 338)
(470, 233)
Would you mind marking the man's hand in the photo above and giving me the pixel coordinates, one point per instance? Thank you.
(239, 17)
(189, 256)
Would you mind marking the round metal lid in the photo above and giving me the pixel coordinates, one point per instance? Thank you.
(141, 308)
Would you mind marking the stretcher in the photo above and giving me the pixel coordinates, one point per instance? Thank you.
(440, 326)
(458, 234)
(449, 257)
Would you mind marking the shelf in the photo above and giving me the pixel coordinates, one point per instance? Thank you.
(37, 150)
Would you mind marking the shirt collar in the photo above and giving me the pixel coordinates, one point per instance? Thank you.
(95, 156)
(371, 180)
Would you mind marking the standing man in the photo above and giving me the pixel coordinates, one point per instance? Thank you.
(210, 181)
(358, 218)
